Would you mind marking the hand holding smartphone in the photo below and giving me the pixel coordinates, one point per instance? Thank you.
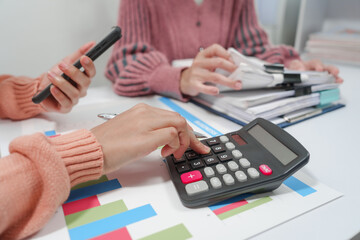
(93, 54)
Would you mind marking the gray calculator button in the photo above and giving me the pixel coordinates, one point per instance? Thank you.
(209, 172)
(253, 173)
(215, 182)
(221, 168)
(233, 166)
(244, 162)
(230, 145)
(228, 179)
(196, 187)
(236, 153)
(241, 176)
(224, 139)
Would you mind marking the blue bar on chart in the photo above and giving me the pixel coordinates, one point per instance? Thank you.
(298, 186)
(202, 125)
(112, 223)
(93, 190)
(50, 133)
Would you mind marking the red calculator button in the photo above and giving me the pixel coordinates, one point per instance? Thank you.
(265, 169)
(190, 177)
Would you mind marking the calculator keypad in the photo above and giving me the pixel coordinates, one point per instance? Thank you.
(225, 165)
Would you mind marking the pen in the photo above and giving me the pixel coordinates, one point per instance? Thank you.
(108, 116)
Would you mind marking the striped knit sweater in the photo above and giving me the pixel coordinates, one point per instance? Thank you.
(157, 32)
(36, 177)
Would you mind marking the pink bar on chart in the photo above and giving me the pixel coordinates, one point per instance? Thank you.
(121, 233)
(230, 207)
(80, 205)
(54, 135)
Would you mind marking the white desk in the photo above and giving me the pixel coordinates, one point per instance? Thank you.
(332, 140)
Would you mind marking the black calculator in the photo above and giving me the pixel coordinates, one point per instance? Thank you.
(257, 158)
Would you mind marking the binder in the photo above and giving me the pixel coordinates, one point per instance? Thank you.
(280, 121)
(282, 107)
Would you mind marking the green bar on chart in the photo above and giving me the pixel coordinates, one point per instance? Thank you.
(244, 208)
(94, 214)
(177, 232)
(103, 178)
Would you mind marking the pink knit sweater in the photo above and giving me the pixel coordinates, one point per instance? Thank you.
(158, 31)
(35, 179)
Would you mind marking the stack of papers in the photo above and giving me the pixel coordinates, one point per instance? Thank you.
(277, 105)
(272, 92)
(339, 41)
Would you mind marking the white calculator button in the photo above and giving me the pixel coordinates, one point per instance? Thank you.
(253, 173)
(236, 153)
(209, 172)
(241, 176)
(215, 182)
(233, 166)
(228, 179)
(221, 168)
(196, 187)
(224, 139)
(230, 145)
(244, 162)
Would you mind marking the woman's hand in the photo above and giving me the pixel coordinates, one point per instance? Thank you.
(315, 65)
(63, 94)
(193, 79)
(142, 129)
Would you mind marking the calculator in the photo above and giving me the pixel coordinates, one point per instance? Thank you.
(257, 158)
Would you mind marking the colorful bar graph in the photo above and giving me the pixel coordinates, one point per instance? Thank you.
(94, 214)
(244, 208)
(103, 178)
(202, 125)
(230, 207)
(93, 190)
(229, 201)
(236, 205)
(121, 233)
(298, 186)
(80, 205)
(112, 223)
(178, 232)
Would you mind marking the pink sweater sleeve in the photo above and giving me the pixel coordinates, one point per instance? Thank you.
(135, 67)
(35, 179)
(15, 97)
(252, 40)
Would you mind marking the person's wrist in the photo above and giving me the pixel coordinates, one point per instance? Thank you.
(183, 81)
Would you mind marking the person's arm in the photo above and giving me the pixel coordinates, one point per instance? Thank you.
(15, 97)
(17, 92)
(251, 39)
(135, 67)
(37, 175)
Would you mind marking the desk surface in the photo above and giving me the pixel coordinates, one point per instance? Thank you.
(331, 140)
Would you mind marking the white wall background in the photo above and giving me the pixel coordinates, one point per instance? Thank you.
(36, 34)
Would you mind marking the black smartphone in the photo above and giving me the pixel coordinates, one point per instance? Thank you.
(94, 53)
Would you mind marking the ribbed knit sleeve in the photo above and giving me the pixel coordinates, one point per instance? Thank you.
(15, 97)
(37, 176)
(252, 40)
(136, 67)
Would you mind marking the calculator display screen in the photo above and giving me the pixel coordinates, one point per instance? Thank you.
(276, 148)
